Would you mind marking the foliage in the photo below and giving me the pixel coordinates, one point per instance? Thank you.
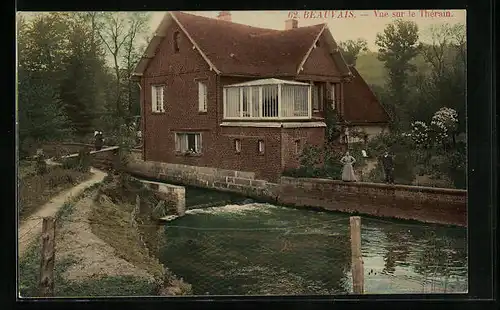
(333, 127)
(65, 86)
(35, 190)
(412, 159)
(316, 162)
(419, 134)
(398, 46)
(107, 286)
(40, 165)
(444, 124)
(352, 48)
(80, 163)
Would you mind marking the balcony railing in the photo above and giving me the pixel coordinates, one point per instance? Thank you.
(267, 99)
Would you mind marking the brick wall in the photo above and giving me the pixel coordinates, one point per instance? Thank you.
(433, 205)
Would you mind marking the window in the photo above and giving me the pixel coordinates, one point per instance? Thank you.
(176, 41)
(270, 101)
(334, 96)
(202, 97)
(317, 97)
(157, 98)
(237, 145)
(188, 143)
(295, 101)
(297, 147)
(261, 146)
(286, 100)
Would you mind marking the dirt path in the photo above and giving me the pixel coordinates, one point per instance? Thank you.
(95, 257)
(30, 229)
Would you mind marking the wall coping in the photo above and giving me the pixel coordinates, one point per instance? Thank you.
(106, 149)
(422, 189)
(66, 143)
(160, 183)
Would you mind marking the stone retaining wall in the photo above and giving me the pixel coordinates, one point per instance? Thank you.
(432, 205)
(173, 195)
(220, 179)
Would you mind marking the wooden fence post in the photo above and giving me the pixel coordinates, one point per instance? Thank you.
(356, 256)
(46, 284)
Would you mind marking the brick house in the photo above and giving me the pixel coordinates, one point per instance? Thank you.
(220, 94)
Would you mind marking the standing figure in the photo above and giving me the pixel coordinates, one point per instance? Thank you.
(99, 141)
(348, 171)
(388, 163)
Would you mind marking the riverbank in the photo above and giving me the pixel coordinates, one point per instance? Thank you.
(99, 252)
(424, 204)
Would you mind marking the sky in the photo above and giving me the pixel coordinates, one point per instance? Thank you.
(343, 25)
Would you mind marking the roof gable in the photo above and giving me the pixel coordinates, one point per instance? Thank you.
(156, 40)
(236, 49)
(360, 103)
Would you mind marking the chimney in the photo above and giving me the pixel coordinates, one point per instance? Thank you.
(291, 24)
(224, 15)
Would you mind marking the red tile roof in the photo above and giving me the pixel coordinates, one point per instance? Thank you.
(360, 103)
(240, 49)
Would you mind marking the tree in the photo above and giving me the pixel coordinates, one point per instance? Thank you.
(138, 24)
(42, 51)
(398, 45)
(352, 48)
(444, 85)
(119, 33)
(112, 30)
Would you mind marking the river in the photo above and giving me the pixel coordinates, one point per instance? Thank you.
(262, 249)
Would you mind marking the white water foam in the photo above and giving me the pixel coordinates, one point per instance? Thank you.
(235, 209)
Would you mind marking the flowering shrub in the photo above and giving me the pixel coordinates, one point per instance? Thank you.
(443, 124)
(419, 133)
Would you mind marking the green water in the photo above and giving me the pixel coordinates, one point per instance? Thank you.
(261, 249)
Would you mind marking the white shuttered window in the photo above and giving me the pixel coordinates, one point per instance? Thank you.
(157, 98)
(202, 97)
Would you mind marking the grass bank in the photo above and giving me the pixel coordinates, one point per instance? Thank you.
(100, 252)
(37, 189)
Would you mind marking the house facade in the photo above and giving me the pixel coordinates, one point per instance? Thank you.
(220, 94)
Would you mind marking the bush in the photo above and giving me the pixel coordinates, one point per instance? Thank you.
(376, 175)
(80, 163)
(59, 177)
(40, 165)
(316, 162)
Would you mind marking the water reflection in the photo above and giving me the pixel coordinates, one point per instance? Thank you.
(258, 249)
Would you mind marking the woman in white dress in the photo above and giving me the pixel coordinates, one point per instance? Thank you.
(348, 171)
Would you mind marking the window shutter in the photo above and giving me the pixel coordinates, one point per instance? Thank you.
(177, 143)
(201, 97)
(197, 142)
(153, 98)
(162, 103)
(334, 100)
